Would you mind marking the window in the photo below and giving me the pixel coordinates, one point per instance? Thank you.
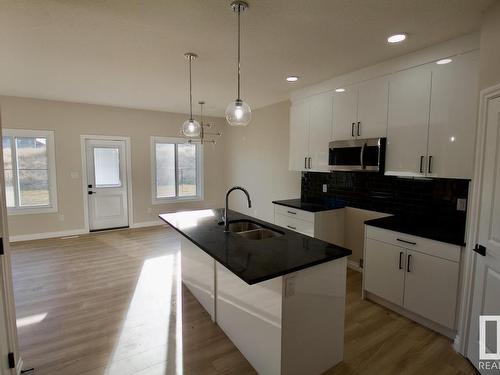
(29, 168)
(176, 170)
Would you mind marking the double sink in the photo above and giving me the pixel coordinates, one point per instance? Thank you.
(251, 230)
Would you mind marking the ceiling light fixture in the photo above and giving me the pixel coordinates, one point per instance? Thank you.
(340, 90)
(191, 127)
(397, 38)
(292, 78)
(238, 113)
(203, 132)
(444, 61)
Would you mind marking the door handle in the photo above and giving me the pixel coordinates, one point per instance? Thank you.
(352, 129)
(91, 192)
(422, 164)
(429, 169)
(359, 128)
(480, 249)
(400, 260)
(408, 263)
(305, 163)
(309, 165)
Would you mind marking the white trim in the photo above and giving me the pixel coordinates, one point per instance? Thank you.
(473, 221)
(199, 171)
(144, 224)
(51, 167)
(44, 235)
(128, 157)
(354, 266)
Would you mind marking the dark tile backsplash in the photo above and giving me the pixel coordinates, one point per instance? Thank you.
(394, 195)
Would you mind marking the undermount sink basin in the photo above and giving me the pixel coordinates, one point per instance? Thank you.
(252, 231)
(242, 226)
(259, 234)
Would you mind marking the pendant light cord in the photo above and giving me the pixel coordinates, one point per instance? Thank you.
(190, 91)
(239, 64)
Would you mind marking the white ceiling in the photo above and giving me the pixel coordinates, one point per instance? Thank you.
(129, 53)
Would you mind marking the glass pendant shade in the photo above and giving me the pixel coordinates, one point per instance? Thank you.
(191, 128)
(238, 113)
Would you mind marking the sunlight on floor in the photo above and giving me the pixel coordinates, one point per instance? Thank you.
(152, 314)
(29, 320)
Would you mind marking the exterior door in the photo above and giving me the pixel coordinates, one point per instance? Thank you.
(106, 184)
(486, 292)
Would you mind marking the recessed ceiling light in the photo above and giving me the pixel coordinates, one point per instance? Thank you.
(397, 38)
(292, 78)
(444, 61)
(340, 90)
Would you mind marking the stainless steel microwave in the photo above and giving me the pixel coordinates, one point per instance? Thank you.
(362, 155)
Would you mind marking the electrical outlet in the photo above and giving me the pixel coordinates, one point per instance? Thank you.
(461, 204)
(325, 188)
(290, 286)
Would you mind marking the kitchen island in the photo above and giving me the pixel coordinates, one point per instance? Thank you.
(277, 294)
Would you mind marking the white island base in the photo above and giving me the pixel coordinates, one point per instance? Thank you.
(292, 324)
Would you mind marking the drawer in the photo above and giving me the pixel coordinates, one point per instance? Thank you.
(408, 241)
(293, 212)
(301, 226)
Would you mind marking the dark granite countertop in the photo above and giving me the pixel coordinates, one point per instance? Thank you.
(253, 261)
(423, 226)
(306, 206)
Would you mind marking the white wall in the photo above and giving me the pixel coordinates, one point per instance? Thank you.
(69, 121)
(489, 71)
(256, 157)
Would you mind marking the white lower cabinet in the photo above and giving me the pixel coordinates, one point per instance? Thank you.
(416, 274)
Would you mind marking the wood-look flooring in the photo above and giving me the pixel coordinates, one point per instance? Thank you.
(112, 303)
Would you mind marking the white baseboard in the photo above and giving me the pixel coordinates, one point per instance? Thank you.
(145, 224)
(354, 266)
(40, 236)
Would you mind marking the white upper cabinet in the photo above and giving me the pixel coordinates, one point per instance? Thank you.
(408, 122)
(299, 136)
(310, 133)
(345, 108)
(361, 110)
(320, 130)
(453, 116)
(373, 99)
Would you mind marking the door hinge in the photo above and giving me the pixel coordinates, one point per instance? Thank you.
(480, 249)
(12, 362)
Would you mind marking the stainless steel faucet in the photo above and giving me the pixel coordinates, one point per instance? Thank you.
(225, 219)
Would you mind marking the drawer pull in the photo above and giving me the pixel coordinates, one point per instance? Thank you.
(291, 212)
(289, 226)
(408, 242)
(408, 263)
(400, 260)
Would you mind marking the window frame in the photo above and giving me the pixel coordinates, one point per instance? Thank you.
(199, 171)
(51, 169)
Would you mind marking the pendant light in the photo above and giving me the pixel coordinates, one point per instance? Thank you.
(203, 132)
(238, 113)
(191, 127)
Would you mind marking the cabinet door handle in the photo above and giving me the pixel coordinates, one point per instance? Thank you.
(352, 129)
(309, 163)
(400, 260)
(408, 263)
(405, 241)
(291, 212)
(422, 164)
(359, 128)
(429, 169)
(305, 163)
(289, 226)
